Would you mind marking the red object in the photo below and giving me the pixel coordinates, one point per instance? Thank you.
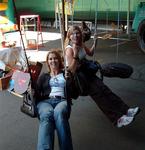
(35, 71)
(24, 23)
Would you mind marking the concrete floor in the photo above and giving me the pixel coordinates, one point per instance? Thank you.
(91, 130)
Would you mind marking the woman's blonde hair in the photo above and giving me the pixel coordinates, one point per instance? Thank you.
(59, 57)
(69, 32)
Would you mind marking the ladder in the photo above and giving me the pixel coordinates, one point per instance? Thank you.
(2, 37)
(28, 22)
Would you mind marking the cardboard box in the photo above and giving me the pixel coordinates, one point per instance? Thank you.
(4, 82)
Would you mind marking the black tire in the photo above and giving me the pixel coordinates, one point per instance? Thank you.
(141, 36)
(118, 70)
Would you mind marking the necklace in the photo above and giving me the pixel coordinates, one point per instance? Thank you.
(55, 80)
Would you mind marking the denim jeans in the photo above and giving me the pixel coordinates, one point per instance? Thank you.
(54, 114)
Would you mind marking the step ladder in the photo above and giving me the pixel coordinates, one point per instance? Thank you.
(2, 37)
(29, 23)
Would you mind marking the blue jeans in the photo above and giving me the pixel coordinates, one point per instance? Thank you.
(54, 114)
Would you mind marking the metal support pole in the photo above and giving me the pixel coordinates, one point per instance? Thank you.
(128, 18)
(96, 16)
(60, 27)
(63, 19)
(56, 22)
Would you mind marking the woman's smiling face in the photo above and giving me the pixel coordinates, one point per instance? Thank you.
(76, 37)
(53, 61)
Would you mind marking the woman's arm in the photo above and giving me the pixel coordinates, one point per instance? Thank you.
(71, 57)
(90, 51)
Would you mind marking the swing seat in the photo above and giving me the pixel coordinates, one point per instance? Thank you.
(119, 70)
(22, 79)
(28, 106)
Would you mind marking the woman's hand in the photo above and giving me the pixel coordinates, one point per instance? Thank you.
(75, 50)
(95, 40)
(68, 74)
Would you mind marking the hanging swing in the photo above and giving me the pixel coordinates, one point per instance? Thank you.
(114, 69)
(24, 81)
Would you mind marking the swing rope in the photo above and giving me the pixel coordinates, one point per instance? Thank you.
(27, 62)
(95, 31)
(17, 18)
(24, 59)
(90, 9)
(107, 36)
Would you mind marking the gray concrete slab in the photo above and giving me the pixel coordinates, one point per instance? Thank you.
(90, 128)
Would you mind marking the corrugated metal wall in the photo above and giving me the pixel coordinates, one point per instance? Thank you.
(84, 9)
(43, 7)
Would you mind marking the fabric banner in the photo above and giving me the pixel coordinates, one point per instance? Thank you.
(69, 7)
